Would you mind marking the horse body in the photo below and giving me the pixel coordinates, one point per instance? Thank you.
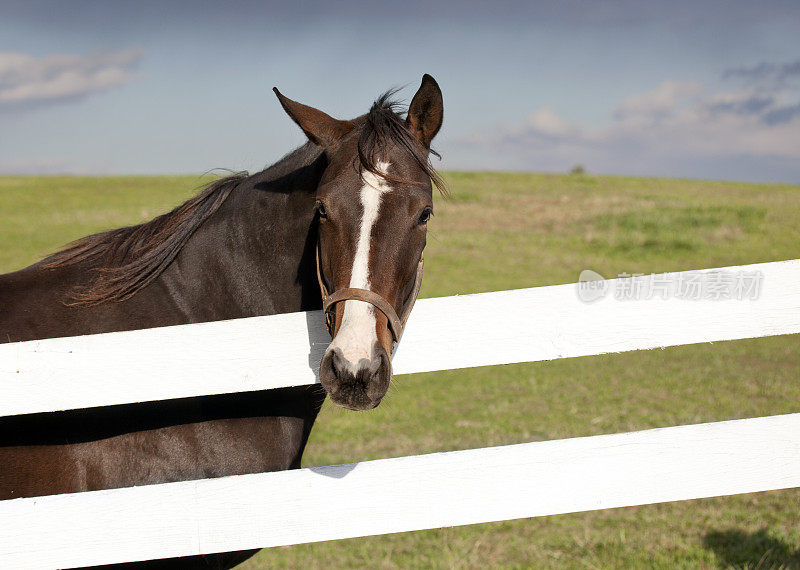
(253, 256)
(245, 246)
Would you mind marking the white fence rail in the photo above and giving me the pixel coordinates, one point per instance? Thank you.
(407, 493)
(505, 327)
(392, 495)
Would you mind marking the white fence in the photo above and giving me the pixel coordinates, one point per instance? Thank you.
(408, 493)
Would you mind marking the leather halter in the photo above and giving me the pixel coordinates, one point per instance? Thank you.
(396, 324)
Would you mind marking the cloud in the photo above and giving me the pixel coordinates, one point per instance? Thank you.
(27, 79)
(743, 105)
(780, 115)
(765, 73)
(679, 128)
(658, 103)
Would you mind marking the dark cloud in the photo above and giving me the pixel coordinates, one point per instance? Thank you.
(765, 73)
(765, 107)
(752, 105)
(781, 115)
(771, 85)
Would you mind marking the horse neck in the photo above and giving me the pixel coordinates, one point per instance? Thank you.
(255, 255)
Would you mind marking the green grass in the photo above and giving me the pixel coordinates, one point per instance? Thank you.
(502, 231)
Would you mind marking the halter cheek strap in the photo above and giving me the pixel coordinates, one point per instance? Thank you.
(396, 324)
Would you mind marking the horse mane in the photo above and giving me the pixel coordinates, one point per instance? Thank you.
(128, 259)
(383, 125)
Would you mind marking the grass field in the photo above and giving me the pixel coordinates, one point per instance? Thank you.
(503, 231)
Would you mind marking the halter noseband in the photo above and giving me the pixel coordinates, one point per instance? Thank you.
(396, 324)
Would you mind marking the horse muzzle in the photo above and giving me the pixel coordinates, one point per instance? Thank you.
(357, 385)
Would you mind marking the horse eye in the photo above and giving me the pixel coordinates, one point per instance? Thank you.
(321, 210)
(425, 216)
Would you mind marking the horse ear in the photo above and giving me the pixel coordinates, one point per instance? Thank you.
(426, 111)
(320, 128)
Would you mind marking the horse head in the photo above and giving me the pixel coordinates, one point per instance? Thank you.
(373, 203)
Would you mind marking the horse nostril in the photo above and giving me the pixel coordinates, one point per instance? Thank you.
(328, 372)
(376, 368)
(380, 375)
(335, 364)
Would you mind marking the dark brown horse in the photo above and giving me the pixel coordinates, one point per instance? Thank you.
(347, 211)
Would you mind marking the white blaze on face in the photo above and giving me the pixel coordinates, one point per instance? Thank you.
(356, 336)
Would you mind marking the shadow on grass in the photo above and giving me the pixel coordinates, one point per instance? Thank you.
(751, 550)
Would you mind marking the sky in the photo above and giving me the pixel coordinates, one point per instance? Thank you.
(682, 88)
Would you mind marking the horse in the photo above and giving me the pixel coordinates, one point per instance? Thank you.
(339, 222)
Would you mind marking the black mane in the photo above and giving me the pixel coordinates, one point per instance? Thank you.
(130, 258)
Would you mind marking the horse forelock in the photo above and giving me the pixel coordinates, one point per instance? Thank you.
(384, 128)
